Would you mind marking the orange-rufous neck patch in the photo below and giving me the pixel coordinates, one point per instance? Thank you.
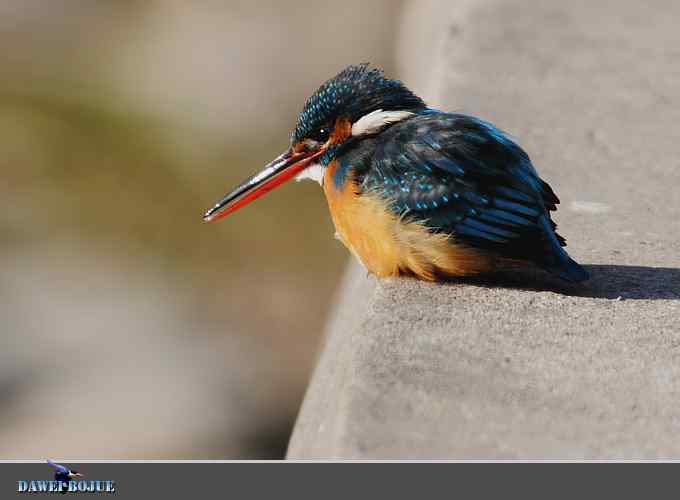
(341, 132)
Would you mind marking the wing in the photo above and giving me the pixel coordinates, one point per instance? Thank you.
(462, 176)
(59, 468)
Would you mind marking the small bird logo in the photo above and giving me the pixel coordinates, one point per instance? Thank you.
(413, 190)
(63, 475)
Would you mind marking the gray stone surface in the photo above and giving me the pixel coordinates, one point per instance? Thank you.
(519, 365)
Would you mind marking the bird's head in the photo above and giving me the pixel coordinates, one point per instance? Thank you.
(356, 103)
(74, 474)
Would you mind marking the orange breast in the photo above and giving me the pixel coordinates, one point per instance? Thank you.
(388, 246)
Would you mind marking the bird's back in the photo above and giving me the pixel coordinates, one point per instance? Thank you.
(462, 178)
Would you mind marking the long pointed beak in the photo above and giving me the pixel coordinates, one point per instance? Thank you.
(282, 169)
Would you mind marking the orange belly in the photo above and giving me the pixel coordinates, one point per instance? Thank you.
(388, 246)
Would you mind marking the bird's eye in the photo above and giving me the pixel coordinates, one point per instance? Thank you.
(321, 134)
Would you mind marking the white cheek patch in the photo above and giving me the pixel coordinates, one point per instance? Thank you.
(314, 172)
(374, 121)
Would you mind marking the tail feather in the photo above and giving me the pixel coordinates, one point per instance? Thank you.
(557, 261)
(572, 271)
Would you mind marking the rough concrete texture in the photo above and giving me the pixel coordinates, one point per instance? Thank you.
(520, 365)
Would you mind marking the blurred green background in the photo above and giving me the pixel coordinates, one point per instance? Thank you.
(130, 328)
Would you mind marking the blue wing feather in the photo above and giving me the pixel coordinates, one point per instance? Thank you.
(59, 468)
(461, 175)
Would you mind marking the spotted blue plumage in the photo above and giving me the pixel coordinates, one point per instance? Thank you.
(462, 176)
(353, 93)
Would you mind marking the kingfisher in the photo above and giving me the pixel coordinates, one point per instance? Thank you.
(413, 190)
(63, 475)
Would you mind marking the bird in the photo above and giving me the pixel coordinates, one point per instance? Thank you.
(414, 190)
(63, 475)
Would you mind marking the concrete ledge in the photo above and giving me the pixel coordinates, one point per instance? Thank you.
(519, 365)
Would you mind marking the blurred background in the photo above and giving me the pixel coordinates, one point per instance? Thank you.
(130, 329)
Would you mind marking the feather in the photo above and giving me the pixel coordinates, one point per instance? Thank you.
(375, 121)
(60, 468)
(314, 172)
(463, 177)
